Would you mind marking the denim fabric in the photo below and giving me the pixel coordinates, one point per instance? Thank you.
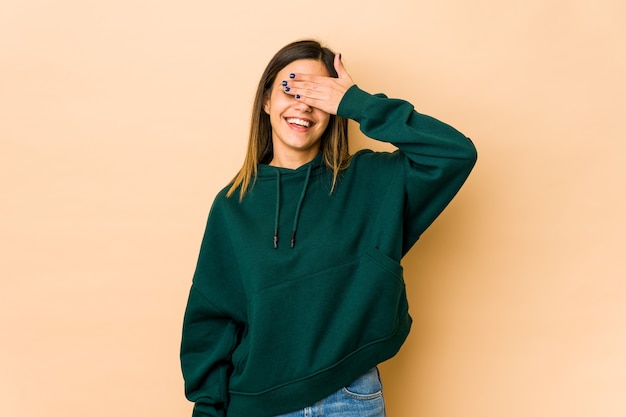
(362, 398)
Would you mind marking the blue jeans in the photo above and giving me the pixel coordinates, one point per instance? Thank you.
(362, 398)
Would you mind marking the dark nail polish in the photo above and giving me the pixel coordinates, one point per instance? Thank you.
(292, 75)
(287, 89)
(297, 95)
(284, 83)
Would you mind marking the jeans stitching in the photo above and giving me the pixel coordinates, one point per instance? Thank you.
(355, 396)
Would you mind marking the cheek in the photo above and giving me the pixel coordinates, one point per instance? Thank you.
(277, 105)
(323, 121)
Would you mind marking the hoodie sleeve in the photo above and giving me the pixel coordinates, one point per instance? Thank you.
(210, 328)
(437, 158)
(208, 340)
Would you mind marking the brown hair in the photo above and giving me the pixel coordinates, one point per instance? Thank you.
(334, 140)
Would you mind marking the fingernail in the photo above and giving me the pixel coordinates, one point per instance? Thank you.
(292, 75)
(287, 89)
(298, 96)
(284, 83)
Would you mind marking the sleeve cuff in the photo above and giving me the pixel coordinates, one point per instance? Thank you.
(353, 103)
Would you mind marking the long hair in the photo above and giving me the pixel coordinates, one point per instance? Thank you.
(333, 142)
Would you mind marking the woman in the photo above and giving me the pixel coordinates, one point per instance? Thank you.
(298, 292)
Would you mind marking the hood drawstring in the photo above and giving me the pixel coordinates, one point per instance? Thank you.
(298, 208)
(277, 209)
(297, 216)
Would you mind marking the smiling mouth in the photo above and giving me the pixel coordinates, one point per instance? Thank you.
(302, 123)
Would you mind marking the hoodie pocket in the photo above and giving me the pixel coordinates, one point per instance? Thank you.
(309, 324)
(386, 263)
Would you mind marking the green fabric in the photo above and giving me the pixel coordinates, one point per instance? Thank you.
(270, 330)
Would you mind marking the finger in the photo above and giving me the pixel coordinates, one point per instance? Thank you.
(318, 85)
(310, 85)
(310, 78)
(318, 103)
(341, 70)
(306, 94)
(313, 98)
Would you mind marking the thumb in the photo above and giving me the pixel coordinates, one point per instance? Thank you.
(341, 70)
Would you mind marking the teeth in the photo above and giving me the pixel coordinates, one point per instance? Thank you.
(299, 122)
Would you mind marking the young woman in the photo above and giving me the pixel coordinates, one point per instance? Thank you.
(298, 292)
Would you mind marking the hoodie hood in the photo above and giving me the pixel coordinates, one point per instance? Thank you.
(268, 171)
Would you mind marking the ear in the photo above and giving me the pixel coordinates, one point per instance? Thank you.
(266, 103)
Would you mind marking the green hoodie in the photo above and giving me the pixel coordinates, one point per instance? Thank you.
(297, 290)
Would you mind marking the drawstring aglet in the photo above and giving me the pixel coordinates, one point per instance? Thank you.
(293, 239)
(276, 239)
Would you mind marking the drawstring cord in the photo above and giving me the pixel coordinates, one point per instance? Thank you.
(297, 216)
(298, 208)
(277, 209)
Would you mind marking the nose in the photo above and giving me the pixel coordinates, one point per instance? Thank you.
(303, 107)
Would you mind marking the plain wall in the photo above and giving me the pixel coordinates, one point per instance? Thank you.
(120, 120)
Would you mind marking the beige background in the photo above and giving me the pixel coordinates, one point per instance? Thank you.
(120, 120)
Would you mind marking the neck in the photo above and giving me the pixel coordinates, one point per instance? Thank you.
(293, 161)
